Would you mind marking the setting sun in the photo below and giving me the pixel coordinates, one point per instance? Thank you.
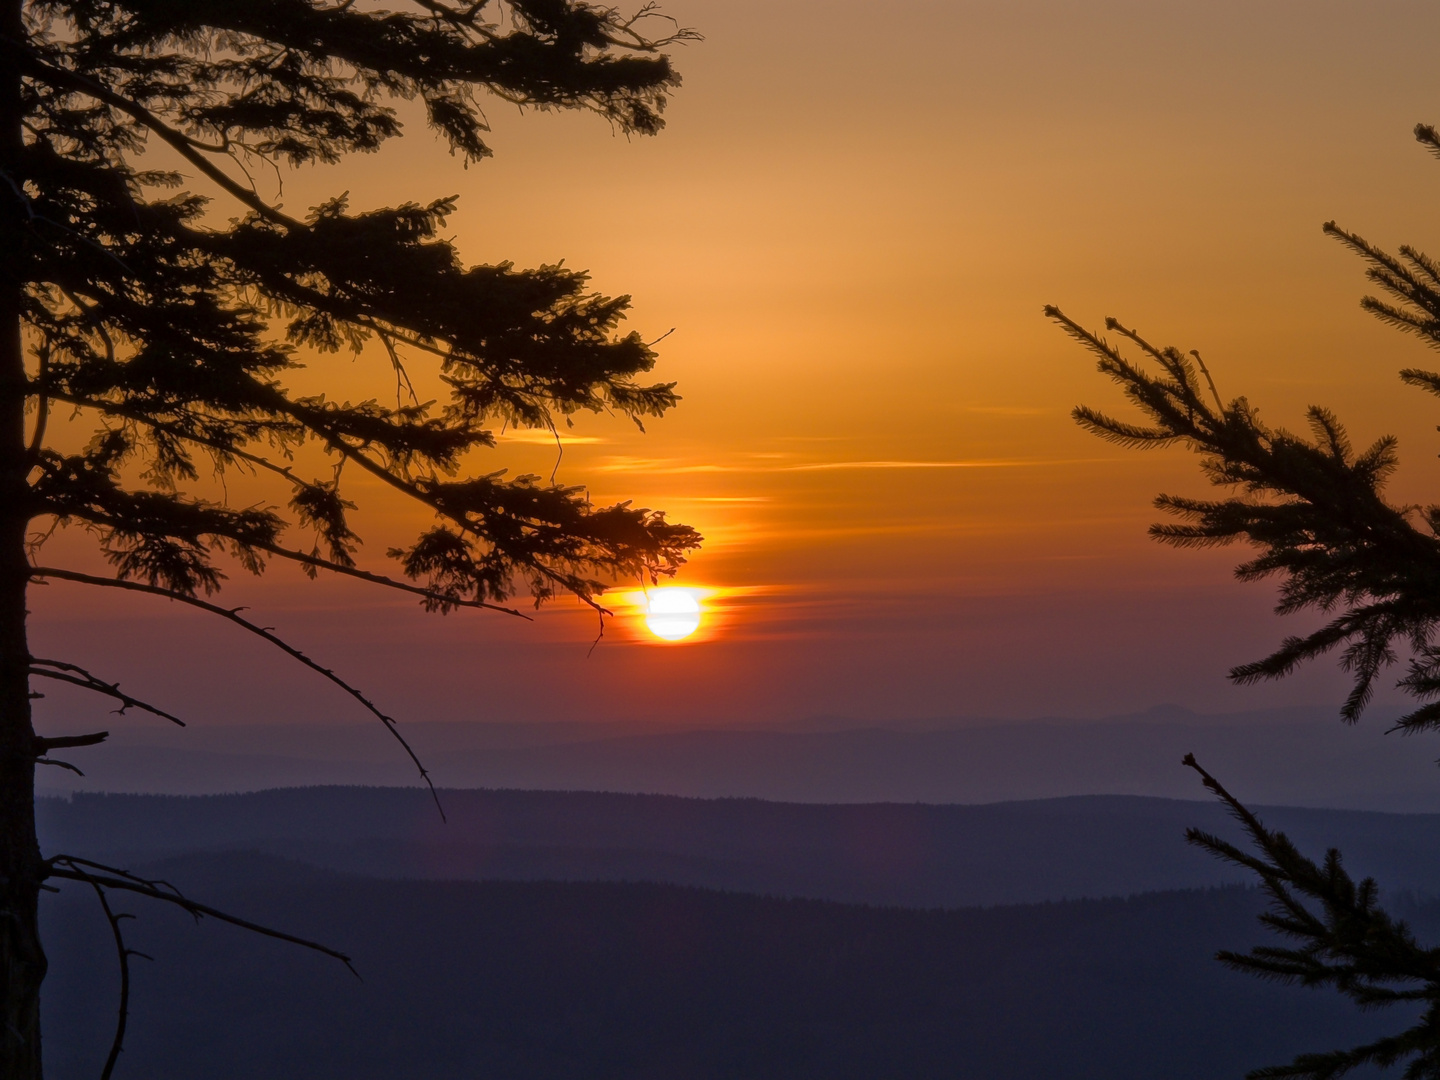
(672, 613)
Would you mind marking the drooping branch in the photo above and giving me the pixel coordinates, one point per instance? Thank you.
(75, 675)
(74, 868)
(60, 764)
(355, 454)
(233, 615)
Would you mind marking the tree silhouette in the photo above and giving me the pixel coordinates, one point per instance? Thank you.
(126, 302)
(1316, 511)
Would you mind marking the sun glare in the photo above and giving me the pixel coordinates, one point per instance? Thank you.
(672, 613)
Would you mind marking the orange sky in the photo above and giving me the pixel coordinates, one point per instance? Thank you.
(852, 222)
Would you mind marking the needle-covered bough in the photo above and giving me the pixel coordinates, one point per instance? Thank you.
(167, 323)
(1317, 513)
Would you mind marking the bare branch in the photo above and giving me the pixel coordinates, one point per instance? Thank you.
(95, 738)
(75, 675)
(61, 764)
(74, 868)
(232, 615)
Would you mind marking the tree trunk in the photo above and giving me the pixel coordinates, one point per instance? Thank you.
(22, 960)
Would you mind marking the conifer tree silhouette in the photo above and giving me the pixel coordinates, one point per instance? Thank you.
(123, 302)
(1316, 511)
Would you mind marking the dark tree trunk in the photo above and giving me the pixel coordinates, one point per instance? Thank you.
(22, 960)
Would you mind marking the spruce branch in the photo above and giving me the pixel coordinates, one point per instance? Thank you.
(1313, 507)
(1343, 939)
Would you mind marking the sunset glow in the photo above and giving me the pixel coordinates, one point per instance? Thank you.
(875, 435)
(737, 539)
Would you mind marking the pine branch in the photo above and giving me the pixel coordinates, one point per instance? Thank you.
(1314, 508)
(180, 143)
(431, 595)
(1345, 940)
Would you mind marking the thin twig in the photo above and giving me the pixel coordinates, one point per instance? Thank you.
(559, 451)
(124, 953)
(61, 764)
(601, 612)
(1206, 372)
(1252, 824)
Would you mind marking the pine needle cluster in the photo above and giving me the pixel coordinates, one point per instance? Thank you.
(176, 335)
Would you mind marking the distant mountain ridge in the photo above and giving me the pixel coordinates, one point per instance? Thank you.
(549, 935)
(913, 855)
(1297, 757)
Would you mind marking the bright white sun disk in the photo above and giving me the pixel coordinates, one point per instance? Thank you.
(672, 613)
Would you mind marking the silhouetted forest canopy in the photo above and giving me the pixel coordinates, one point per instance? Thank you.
(548, 980)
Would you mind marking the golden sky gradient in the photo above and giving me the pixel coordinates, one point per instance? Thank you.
(852, 223)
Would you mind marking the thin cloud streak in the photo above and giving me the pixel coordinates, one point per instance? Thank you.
(827, 466)
(542, 437)
(657, 466)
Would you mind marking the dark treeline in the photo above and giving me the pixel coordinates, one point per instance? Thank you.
(534, 981)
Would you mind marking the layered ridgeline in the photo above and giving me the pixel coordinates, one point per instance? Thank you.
(915, 854)
(559, 981)
(630, 936)
(1298, 757)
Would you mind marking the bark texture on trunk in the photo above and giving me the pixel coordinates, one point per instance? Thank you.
(22, 960)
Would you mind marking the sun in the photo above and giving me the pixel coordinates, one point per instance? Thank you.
(672, 613)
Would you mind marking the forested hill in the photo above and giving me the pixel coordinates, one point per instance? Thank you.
(584, 948)
(907, 854)
(609, 981)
